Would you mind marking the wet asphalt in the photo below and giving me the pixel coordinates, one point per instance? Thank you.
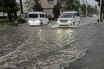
(94, 58)
(51, 47)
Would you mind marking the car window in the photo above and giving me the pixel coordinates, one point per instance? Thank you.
(45, 16)
(66, 15)
(76, 15)
(42, 15)
(33, 15)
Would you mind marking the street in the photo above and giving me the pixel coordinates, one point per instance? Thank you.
(49, 47)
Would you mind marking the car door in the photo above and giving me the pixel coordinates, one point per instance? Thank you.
(42, 18)
(46, 19)
(76, 18)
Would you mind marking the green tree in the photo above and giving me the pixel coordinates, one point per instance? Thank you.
(89, 9)
(2, 8)
(83, 9)
(56, 11)
(10, 7)
(72, 5)
(95, 10)
(92, 9)
(1, 5)
(37, 6)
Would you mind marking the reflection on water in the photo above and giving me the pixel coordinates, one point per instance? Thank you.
(63, 36)
(41, 38)
(44, 49)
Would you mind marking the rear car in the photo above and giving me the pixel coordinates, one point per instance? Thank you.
(37, 18)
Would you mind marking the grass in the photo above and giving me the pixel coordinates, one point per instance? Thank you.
(4, 27)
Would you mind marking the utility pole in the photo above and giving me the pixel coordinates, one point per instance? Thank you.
(100, 11)
(21, 6)
(86, 7)
(79, 9)
(65, 4)
(83, 2)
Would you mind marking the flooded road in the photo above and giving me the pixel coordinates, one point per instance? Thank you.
(44, 47)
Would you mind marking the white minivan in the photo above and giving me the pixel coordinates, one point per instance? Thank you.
(69, 18)
(37, 18)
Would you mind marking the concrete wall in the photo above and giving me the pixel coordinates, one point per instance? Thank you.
(31, 4)
(48, 8)
(25, 6)
(49, 12)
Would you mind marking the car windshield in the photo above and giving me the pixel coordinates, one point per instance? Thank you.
(33, 15)
(66, 15)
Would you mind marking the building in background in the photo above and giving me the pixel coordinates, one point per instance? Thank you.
(25, 6)
(47, 6)
(31, 4)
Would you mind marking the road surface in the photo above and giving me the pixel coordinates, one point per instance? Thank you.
(48, 47)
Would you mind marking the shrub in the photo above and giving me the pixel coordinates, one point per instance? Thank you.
(21, 21)
(4, 26)
(3, 20)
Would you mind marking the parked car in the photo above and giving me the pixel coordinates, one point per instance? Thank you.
(69, 18)
(37, 18)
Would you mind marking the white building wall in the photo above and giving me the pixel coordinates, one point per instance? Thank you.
(25, 6)
(31, 4)
(1, 14)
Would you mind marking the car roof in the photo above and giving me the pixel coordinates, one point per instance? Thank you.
(70, 12)
(37, 12)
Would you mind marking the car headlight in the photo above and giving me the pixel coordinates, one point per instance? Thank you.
(70, 20)
(58, 20)
(30, 21)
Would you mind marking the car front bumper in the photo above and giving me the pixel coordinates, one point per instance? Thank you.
(69, 24)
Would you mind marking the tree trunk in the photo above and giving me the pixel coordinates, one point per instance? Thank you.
(15, 15)
(9, 16)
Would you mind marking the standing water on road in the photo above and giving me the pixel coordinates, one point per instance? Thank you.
(44, 47)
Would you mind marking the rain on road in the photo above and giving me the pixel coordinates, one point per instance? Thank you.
(44, 47)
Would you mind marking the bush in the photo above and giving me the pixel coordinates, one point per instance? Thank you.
(21, 21)
(4, 26)
(3, 20)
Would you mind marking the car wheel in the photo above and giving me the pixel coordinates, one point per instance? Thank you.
(41, 23)
(73, 23)
(78, 22)
(48, 23)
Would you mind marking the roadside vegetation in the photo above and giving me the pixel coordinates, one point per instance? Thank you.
(4, 26)
(10, 7)
(4, 23)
